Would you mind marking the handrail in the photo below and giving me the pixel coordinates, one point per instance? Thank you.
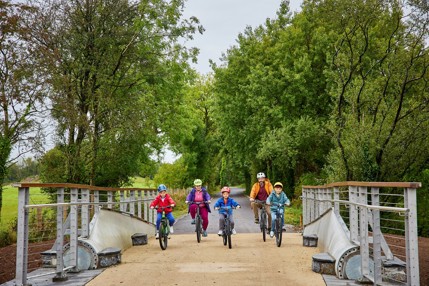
(77, 186)
(413, 185)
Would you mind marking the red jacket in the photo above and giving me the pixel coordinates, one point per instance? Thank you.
(168, 201)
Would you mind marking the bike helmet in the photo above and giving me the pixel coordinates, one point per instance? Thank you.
(260, 175)
(278, 184)
(161, 188)
(225, 189)
(198, 182)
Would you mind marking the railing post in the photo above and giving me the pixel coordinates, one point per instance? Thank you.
(139, 204)
(353, 217)
(411, 238)
(109, 199)
(74, 230)
(132, 202)
(376, 235)
(121, 201)
(336, 198)
(146, 206)
(96, 201)
(312, 204)
(60, 274)
(363, 227)
(85, 213)
(22, 237)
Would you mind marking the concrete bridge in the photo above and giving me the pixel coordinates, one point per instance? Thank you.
(90, 237)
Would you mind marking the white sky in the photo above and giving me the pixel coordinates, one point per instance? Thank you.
(223, 20)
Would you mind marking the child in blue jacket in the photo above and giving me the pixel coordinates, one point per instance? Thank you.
(277, 197)
(226, 201)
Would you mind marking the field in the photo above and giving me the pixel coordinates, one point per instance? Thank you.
(9, 209)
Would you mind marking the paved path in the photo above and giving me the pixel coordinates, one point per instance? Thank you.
(244, 220)
(185, 262)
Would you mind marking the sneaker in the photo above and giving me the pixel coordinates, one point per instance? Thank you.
(268, 230)
(271, 234)
(205, 233)
(256, 220)
(233, 231)
(193, 221)
(171, 229)
(220, 233)
(157, 235)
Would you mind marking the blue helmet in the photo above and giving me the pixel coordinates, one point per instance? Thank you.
(161, 188)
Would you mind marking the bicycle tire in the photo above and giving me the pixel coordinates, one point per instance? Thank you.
(263, 225)
(228, 232)
(279, 231)
(198, 227)
(225, 232)
(163, 236)
(229, 241)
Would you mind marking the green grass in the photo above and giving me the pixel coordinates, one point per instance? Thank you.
(139, 182)
(293, 215)
(9, 209)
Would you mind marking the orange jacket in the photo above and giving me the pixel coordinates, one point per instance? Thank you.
(255, 189)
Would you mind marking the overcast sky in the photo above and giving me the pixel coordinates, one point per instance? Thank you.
(224, 20)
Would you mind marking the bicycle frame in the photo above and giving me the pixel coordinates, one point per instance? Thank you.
(278, 224)
(263, 219)
(164, 229)
(198, 220)
(227, 228)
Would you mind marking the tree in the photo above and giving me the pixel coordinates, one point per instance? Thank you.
(272, 85)
(117, 69)
(22, 87)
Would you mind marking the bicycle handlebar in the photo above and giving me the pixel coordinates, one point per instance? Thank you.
(227, 207)
(259, 202)
(279, 205)
(163, 208)
(198, 203)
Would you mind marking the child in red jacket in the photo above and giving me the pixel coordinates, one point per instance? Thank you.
(163, 200)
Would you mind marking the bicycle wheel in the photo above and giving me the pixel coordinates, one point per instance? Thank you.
(263, 223)
(278, 231)
(163, 236)
(198, 227)
(225, 232)
(229, 234)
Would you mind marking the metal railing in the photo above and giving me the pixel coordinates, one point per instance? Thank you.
(75, 207)
(378, 217)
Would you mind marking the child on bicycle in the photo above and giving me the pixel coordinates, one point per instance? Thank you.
(277, 197)
(163, 200)
(201, 195)
(225, 201)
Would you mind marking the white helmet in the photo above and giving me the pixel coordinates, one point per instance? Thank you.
(260, 175)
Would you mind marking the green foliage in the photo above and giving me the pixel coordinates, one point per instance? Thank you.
(172, 175)
(118, 72)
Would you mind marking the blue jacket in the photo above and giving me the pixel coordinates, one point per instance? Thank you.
(229, 203)
(281, 199)
(206, 197)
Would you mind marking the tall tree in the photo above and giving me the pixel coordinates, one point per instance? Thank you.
(118, 69)
(22, 87)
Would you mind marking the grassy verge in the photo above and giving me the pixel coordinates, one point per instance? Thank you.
(9, 210)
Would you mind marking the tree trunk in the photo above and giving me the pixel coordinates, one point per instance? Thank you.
(5, 149)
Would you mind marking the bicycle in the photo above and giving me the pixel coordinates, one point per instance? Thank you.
(263, 219)
(278, 223)
(227, 227)
(198, 220)
(164, 229)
